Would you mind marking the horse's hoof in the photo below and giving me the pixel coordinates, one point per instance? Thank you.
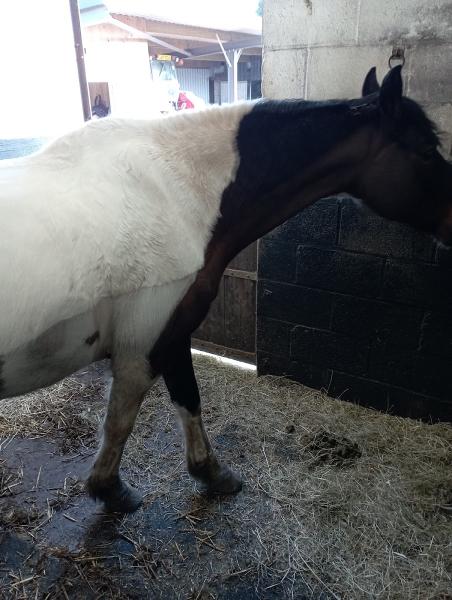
(225, 482)
(118, 497)
(125, 500)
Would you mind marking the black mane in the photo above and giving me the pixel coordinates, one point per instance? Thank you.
(278, 139)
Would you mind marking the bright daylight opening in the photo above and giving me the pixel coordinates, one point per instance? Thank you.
(227, 361)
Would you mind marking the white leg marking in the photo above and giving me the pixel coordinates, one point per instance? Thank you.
(197, 445)
(201, 460)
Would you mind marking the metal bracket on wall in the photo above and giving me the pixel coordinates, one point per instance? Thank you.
(398, 54)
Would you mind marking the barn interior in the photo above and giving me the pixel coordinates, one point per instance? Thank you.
(323, 365)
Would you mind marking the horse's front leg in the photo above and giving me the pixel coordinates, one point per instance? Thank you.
(201, 460)
(131, 381)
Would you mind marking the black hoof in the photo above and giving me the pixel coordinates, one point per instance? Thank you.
(117, 495)
(216, 478)
(225, 482)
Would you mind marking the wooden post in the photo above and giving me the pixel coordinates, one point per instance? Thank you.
(80, 57)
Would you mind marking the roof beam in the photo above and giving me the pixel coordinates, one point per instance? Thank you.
(146, 36)
(238, 45)
(183, 36)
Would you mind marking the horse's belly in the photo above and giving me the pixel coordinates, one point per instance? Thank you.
(139, 319)
(58, 352)
(126, 326)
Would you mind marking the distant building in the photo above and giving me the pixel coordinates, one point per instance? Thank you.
(136, 63)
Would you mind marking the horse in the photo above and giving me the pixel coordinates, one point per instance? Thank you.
(114, 238)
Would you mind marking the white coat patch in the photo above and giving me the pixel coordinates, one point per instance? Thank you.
(116, 207)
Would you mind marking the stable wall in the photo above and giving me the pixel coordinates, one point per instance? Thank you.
(348, 301)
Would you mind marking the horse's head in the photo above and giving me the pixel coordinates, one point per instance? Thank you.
(405, 177)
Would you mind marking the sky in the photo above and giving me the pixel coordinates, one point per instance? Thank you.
(214, 13)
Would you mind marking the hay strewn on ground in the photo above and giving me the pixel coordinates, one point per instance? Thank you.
(339, 501)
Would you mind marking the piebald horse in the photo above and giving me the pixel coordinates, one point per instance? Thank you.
(113, 239)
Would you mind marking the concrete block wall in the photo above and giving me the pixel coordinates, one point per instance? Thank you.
(317, 49)
(348, 301)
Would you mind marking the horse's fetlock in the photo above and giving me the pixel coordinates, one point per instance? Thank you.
(202, 470)
(116, 495)
(100, 488)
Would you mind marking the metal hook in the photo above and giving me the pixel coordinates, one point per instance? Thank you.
(397, 54)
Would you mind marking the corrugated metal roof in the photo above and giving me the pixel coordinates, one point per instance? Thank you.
(148, 10)
(93, 15)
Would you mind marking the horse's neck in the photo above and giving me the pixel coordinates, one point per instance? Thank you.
(270, 188)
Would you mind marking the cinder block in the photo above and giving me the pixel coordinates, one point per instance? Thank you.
(283, 22)
(332, 22)
(431, 74)
(355, 274)
(293, 303)
(436, 335)
(441, 115)
(316, 224)
(418, 406)
(391, 365)
(417, 284)
(273, 337)
(363, 231)
(277, 260)
(284, 73)
(297, 23)
(339, 72)
(358, 390)
(372, 319)
(432, 376)
(307, 374)
(329, 349)
(383, 21)
(388, 398)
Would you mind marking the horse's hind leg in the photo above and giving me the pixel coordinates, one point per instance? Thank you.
(201, 460)
(131, 381)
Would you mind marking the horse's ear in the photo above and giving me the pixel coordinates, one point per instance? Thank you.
(370, 85)
(391, 92)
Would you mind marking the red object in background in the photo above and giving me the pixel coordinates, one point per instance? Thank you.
(183, 102)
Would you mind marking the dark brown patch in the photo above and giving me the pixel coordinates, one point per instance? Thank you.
(92, 338)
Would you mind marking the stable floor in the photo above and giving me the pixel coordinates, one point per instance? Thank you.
(339, 501)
